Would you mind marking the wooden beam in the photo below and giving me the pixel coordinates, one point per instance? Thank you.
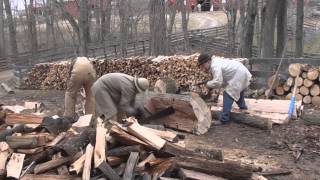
(62, 170)
(87, 162)
(189, 174)
(130, 167)
(125, 137)
(144, 134)
(59, 138)
(15, 165)
(77, 166)
(4, 154)
(25, 142)
(15, 118)
(100, 147)
(124, 150)
(49, 177)
(44, 167)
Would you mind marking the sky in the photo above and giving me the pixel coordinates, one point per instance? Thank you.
(20, 3)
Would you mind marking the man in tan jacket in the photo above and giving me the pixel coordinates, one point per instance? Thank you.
(115, 94)
(82, 74)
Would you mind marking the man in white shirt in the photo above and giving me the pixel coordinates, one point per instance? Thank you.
(230, 74)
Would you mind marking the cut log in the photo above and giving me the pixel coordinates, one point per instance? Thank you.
(189, 174)
(165, 85)
(227, 169)
(304, 75)
(316, 100)
(279, 81)
(294, 69)
(4, 154)
(310, 116)
(15, 165)
(124, 150)
(59, 138)
(30, 151)
(279, 90)
(108, 171)
(249, 118)
(299, 81)
(191, 112)
(144, 134)
(7, 88)
(77, 166)
(44, 167)
(131, 164)
(286, 88)
(307, 100)
(290, 81)
(313, 74)
(62, 170)
(126, 138)
(14, 118)
(100, 147)
(141, 165)
(304, 91)
(315, 90)
(175, 150)
(115, 160)
(49, 177)
(307, 83)
(87, 162)
(25, 142)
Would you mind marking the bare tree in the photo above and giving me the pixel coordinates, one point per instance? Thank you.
(83, 28)
(248, 30)
(124, 25)
(231, 11)
(2, 39)
(184, 24)
(172, 11)
(31, 26)
(281, 27)
(50, 33)
(269, 28)
(12, 30)
(105, 6)
(158, 28)
(299, 28)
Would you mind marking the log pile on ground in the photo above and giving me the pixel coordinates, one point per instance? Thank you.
(58, 149)
(182, 69)
(306, 79)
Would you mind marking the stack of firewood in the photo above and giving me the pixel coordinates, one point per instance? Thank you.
(182, 69)
(54, 148)
(306, 79)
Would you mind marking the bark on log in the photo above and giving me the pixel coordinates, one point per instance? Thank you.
(49, 177)
(315, 90)
(14, 118)
(227, 169)
(313, 74)
(25, 142)
(294, 69)
(316, 100)
(189, 174)
(304, 91)
(131, 164)
(307, 83)
(310, 116)
(307, 100)
(191, 112)
(124, 150)
(44, 167)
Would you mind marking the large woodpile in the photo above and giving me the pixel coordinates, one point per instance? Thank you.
(182, 69)
(306, 79)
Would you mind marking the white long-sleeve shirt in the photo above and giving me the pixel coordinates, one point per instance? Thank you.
(231, 74)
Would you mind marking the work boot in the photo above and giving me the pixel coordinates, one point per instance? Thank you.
(219, 123)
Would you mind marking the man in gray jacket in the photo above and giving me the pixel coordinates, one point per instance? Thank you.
(230, 74)
(115, 93)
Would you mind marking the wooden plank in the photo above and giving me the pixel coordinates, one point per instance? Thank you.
(15, 165)
(62, 170)
(125, 137)
(100, 147)
(189, 174)
(49, 177)
(59, 138)
(15, 118)
(77, 166)
(144, 134)
(4, 154)
(25, 142)
(131, 164)
(124, 150)
(87, 162)
(52, 164)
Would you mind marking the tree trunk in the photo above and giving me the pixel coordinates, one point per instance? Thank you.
(124, 26)
(232, 19)
(2, 36)
(32, 26)
(247, 37)
(158, 28)
(50, 36)
(281, 27)
(184, 25)
(83, 28)
(12, 30)
(172, 16)
(269, 28)
(103, 25)
(299, 28)
(97, 15)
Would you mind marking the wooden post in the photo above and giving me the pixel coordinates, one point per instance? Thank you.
(87, 162)
(131, 164)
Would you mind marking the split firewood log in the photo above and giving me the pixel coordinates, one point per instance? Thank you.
(294, 69)
(307, 100)
(307, 83)
(313, 74)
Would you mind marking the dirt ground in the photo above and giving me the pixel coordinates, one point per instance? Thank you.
(267, 149)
